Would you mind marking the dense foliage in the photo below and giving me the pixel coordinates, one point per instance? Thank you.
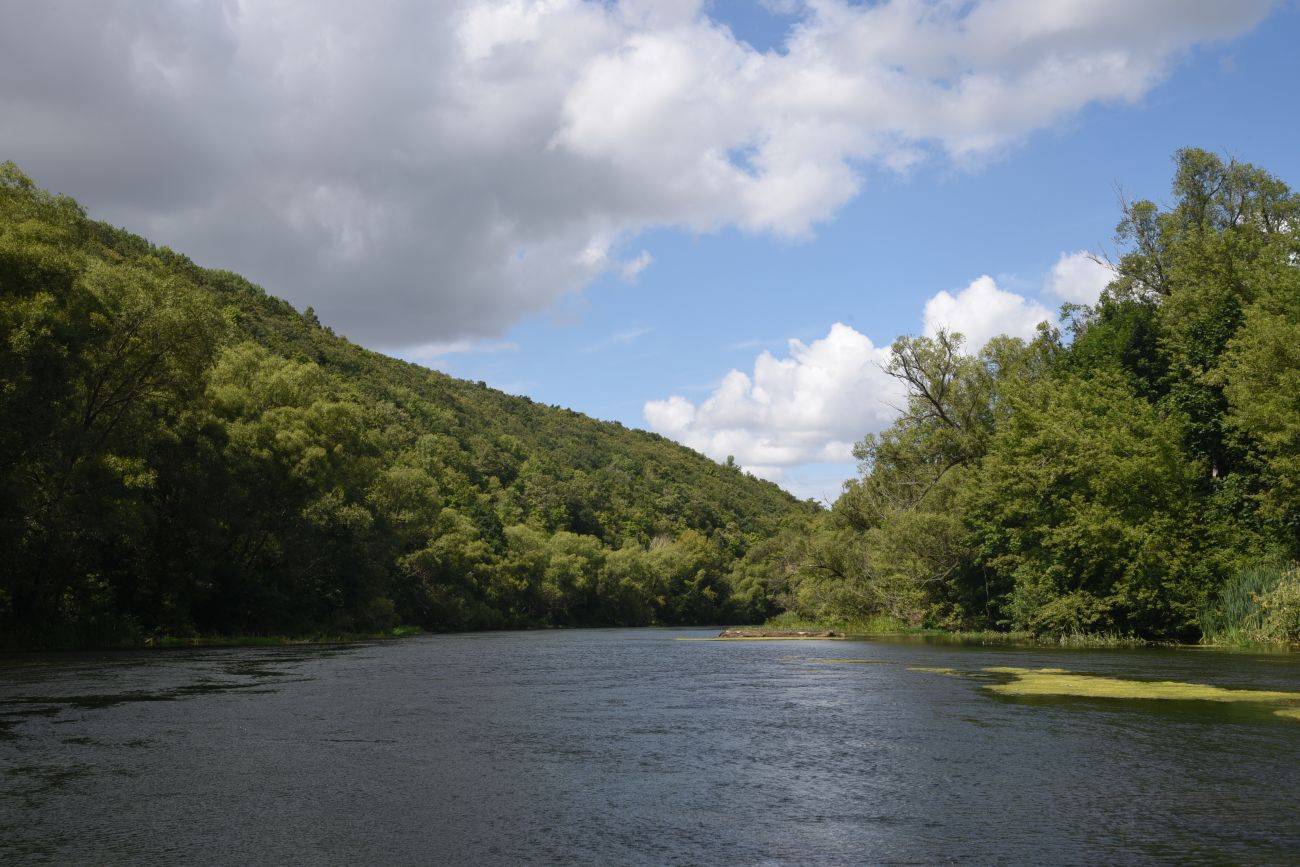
(1129, 477)
(181, 453)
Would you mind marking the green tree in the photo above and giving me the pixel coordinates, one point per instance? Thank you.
(1260, 372)
(1085, 507)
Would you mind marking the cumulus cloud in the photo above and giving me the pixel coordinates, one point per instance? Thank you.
(982, 311)
(810, 406)
(1078, 278)
(428, 171)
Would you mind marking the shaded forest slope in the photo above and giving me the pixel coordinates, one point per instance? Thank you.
(181, 452)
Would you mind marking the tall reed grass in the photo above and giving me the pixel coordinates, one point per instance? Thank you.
(1259, 605)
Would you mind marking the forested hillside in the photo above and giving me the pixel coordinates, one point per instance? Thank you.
(1138, 475)
(181, 453)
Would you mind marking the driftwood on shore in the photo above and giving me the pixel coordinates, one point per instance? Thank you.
(777, 633)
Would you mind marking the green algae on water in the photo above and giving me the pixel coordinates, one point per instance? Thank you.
(1056, 681)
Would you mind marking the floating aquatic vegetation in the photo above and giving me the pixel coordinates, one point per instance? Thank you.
(1289, 713)
(1056, 681)
(948, 672)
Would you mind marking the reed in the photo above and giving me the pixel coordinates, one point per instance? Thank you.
(1260, 605)
(1096, 639)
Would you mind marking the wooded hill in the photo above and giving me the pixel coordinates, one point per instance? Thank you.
(182, 453)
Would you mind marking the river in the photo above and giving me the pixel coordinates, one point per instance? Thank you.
(633, 747)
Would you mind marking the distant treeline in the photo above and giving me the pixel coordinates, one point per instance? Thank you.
(1137, 475)
(182, 454)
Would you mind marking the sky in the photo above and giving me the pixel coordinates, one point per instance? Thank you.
(706, 219)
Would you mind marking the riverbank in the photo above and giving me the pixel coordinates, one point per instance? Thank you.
(759, 632)
(166, 641)
(883, 626)
(887, 627)
(780, 628)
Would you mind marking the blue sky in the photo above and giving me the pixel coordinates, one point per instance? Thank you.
(472, 183)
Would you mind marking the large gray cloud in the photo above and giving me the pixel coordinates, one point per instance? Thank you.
(427, 171)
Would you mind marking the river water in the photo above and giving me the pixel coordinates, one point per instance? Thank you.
(632, 747)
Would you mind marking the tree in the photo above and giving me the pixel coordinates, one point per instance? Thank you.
(1085, 507)
(1260, 372)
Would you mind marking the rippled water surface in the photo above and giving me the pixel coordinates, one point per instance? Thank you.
(630, 747)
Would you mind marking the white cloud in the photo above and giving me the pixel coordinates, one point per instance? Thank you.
(633, 267)
(810, 406)
(428, 171)
(982, 311)
(1078, 278)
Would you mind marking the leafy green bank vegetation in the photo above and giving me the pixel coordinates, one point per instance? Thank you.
(1137, 476)
(182, 454)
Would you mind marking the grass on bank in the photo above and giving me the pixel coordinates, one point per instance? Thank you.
(882, 625)
(1258, 607)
